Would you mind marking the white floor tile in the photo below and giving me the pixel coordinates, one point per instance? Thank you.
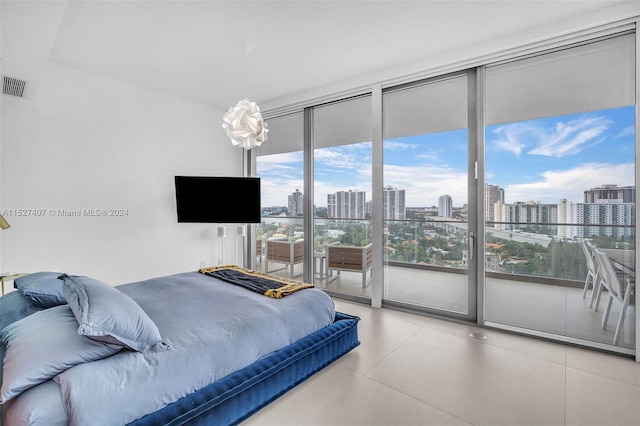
(596, 400)
(341, 397)
(480, 383)
(416, 370)
(606, 365)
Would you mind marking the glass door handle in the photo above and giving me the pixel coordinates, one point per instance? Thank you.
(472, 245)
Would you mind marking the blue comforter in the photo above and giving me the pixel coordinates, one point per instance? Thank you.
(214, 328)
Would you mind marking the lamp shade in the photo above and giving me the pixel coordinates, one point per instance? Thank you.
(244, 125)
(3, 223)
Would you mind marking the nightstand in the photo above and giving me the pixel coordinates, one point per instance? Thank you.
(7, 277)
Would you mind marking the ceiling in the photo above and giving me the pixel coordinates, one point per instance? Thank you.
(216, 52)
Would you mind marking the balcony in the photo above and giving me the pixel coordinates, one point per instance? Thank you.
(552, 303)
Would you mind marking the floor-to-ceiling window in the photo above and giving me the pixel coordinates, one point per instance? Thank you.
(342, 195)
(426, 195)
(509, 182)
(560, 189)
(279, 164)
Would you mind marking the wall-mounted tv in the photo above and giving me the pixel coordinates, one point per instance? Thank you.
(212, 199)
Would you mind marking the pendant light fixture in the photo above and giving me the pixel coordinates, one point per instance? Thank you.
(243, 123)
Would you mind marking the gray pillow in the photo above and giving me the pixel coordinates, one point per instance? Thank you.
(42, 288)
(108, 315)
(41, 346)
(13, 307)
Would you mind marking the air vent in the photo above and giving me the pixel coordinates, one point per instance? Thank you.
(13, 86)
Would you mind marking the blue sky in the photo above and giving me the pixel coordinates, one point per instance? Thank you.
(537, 160)
(561, 157)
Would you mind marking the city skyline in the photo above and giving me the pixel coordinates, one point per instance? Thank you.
(543, 160)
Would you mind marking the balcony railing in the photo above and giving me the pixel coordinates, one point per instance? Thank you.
(534, 273)
(535, 252)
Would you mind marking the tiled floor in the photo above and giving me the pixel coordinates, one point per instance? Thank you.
(417, 370)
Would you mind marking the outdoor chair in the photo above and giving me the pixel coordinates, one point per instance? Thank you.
(283, 251)
(608, 279)
(348, 258)
(592, 270)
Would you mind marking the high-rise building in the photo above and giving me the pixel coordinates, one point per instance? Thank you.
(331, 205)
(603, 213)
(347, 204)
(393, 203)
(492, 194)
(296, 204)
(607, 205)
(607, 216)
(626, 194)
(525, 212)
(566, 214)
(445, 206)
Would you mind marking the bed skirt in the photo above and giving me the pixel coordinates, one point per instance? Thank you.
(236, 397)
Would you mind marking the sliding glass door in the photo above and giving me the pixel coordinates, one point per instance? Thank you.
(342, 196)
(428, 195)
(560, 183)
(507, 191)
(280, 165)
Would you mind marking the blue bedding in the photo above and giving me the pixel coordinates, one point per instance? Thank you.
(213, 329)
(13, 306)
(235, 398)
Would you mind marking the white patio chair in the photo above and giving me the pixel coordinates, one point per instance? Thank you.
(609, 280)
(592, 269)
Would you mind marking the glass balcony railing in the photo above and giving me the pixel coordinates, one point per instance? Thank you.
(534, 273)
(547, 253)
(552, 251)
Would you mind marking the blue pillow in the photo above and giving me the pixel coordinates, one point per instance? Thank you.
(42, 288)
(41, 346)
(108, 315)
(13, 307)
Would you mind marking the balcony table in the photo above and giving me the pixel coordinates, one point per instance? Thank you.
(623, 260)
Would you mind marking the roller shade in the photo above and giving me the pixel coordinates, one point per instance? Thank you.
(595, 76)
(342, 123)
(432, 107)
(286, 134)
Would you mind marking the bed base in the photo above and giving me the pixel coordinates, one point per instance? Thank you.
(239, 395)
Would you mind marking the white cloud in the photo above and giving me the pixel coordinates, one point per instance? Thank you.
(554, 185)
(285, 157)
(428, 156)
(565, 138)
(354, 156)
(510, 137)
(281, 175)
(278, 172)
(423, 185)
(627, 131)
(399, 146)
(571, 137)
(275, 192)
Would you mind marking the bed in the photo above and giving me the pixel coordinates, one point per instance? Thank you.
(188, 348)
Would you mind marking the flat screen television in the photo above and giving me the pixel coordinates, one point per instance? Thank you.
(212, 199)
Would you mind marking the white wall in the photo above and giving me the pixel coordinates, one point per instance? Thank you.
(86, 142)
